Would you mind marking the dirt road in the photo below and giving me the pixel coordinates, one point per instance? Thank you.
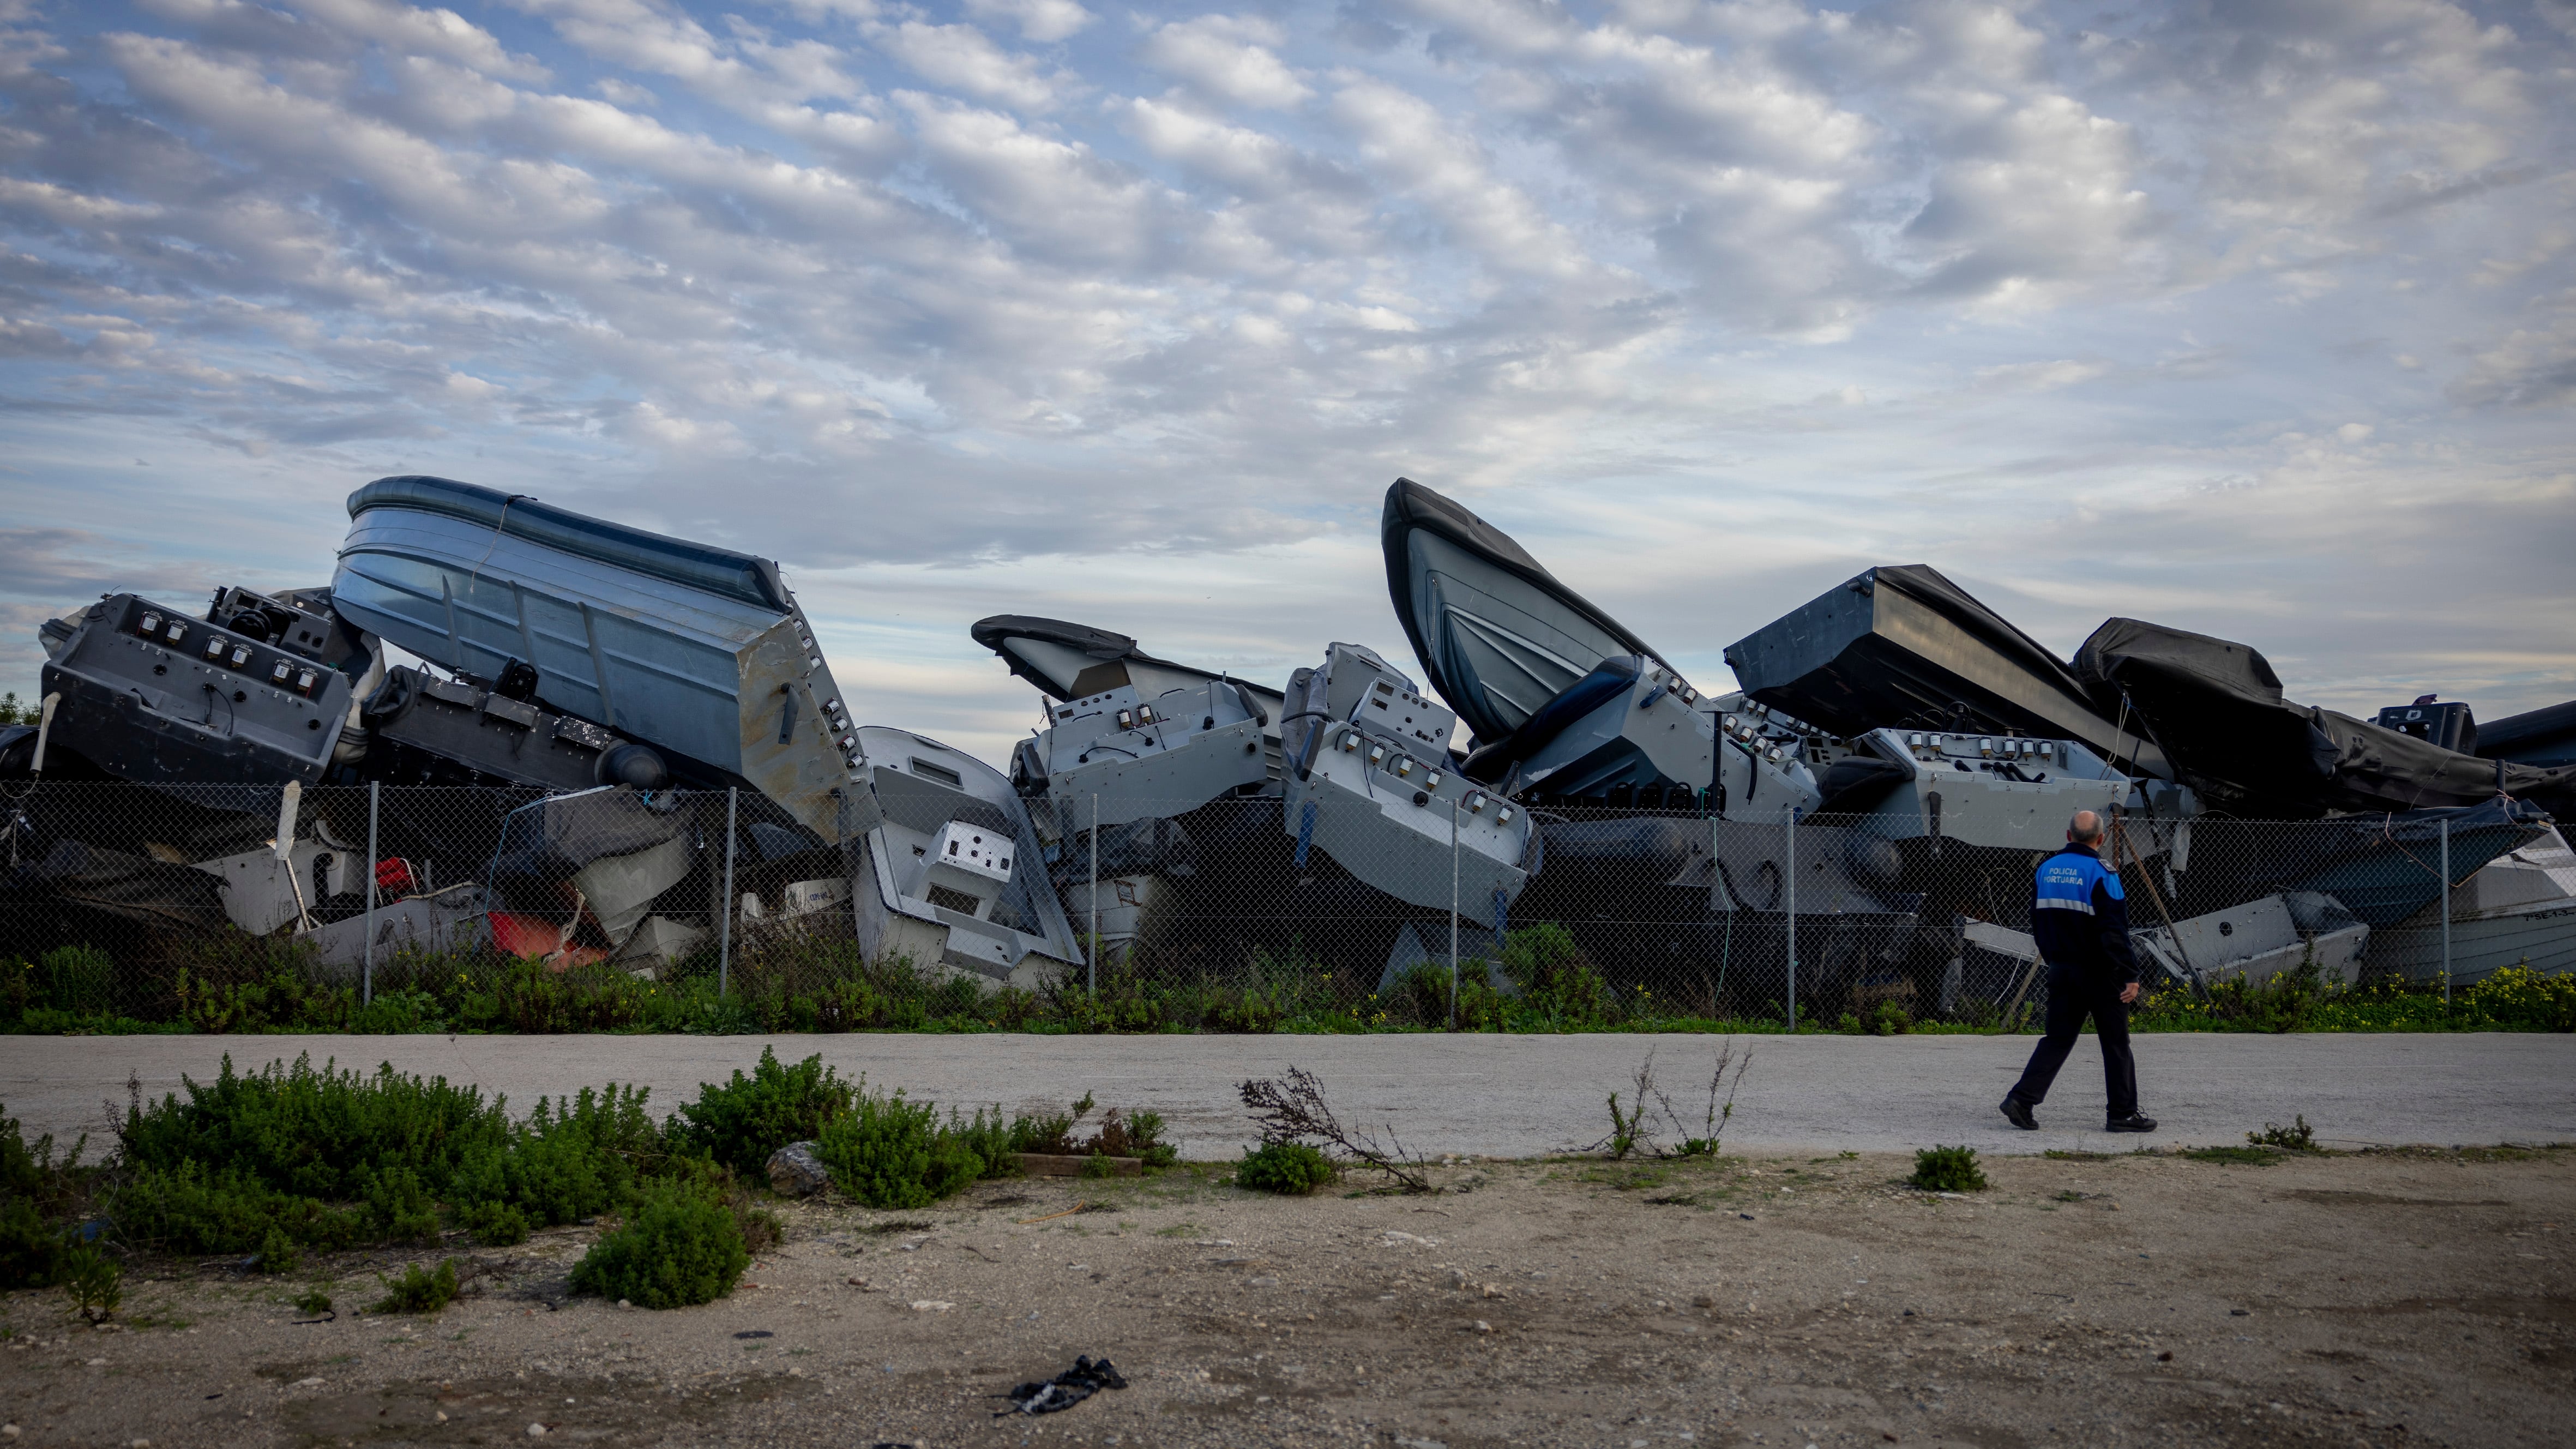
(2383, 1299)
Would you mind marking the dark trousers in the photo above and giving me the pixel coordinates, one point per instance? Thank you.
(2073, 994)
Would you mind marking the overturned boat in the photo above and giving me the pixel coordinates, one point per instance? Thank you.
(1128, 736)
(257, 692)
(1372, 785)
(953, 876)
(1564, 702)
(699, 652)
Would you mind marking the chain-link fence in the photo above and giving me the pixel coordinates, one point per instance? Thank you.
(236, 907)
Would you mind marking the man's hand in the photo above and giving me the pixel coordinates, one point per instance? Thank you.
(2128, 993)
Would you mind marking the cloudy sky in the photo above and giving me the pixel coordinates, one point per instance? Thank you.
(2257, 319)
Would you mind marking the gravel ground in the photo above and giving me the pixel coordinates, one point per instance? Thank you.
(2393, 1298)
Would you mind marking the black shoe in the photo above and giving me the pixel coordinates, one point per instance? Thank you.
(2134, 1122)
(2017, 1112)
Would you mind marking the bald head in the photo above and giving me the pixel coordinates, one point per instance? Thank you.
(2085, 828)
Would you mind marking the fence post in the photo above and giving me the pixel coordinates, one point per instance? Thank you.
(1094, 952)
(2446, 910)
(367, 970)
(1791, 876)
(1453, 915)
(724, 937)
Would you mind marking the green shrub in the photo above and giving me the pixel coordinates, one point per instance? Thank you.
(681, 1245)
(1145, 1134)
(93, 1279)
(30, 1248)
(2299, 1137)
(1284, 1167)
(75, 979)
(742, 1122)
(494, 1224)
(419, 1291)
(889, 1153)
(1948, 1169)
(332, 1159)
(1558, 983)
(35, 1192)
(2519, 996)
(277, 1252)
(313, 1303)
(985, 1135)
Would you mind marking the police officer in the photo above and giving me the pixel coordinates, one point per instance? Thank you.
(2081, 923)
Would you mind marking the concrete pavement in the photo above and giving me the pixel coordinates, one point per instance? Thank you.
(1510, 1096)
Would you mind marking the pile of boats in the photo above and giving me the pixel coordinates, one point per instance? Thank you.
(668, 757)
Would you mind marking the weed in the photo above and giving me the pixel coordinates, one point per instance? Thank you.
(1627, 1129)
(680, 1246)
(313, 1303)
(417, 1290)
(1947, 1169)
(2070, 1195)
(1292, 1168)
(762, 1230)
(1295, 1111)
(1179, 1230)
(2065, 1154)
(2298, 1137)
(2246, 1156)
(94, 1280)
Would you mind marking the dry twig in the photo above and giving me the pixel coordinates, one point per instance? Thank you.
(1295, 1111)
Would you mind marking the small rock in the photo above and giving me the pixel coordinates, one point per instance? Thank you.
(98, 1363)
(142, 1444)
(8, 1431)
(1483, 1327)
(930, 1305)
(622, 1303)
(536, 1431)
(442, 1416)
(794, 1171)
(312, 1383)
(2240, 1313)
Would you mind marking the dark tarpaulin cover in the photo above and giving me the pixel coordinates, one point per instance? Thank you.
(2216, 709)
(1873, 680)
(132, 887)
(2545, 736)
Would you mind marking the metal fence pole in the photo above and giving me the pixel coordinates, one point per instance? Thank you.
(2446, 911)
(367, 971)
(1791, 876)
(1094, 952)
(724, 938)
(1453, 915)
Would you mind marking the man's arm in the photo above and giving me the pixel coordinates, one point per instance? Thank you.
(2111, 918)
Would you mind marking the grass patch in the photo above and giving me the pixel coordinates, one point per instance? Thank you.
(1291, 1168)
(2245, 1156)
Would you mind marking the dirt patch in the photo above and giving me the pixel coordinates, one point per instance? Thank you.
(1763, 1302)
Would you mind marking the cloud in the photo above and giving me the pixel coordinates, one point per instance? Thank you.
(1227, 58)
(1042, 21)
(964, 58)
(2222, 315)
